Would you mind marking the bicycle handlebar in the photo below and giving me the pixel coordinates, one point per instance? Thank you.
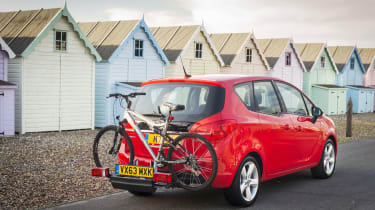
(126, 97)
(131, 95)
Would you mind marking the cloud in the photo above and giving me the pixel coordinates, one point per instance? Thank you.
(153, 18)
(334, 21)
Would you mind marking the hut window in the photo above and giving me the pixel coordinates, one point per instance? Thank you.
(288, 59)
(322, 61)
(61, 41)
(198, 50)
(249, 55)
(352, 63)
(138, 48)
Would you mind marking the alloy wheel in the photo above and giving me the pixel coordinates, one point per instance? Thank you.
(249, 181)
(329, 159)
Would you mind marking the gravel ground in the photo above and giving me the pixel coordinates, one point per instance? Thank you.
(66, 158)
(363, 126)
(46, 169)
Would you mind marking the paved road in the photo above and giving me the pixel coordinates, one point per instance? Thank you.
(352, 187)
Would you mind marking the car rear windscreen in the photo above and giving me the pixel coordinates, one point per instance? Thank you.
(200, 100)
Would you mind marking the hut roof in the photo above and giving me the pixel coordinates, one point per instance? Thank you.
(175, 39)
(367, 56)
(108, 37)
(310, 53)
(230, 45)
(21, 30)
(274, 48)
(341, 55)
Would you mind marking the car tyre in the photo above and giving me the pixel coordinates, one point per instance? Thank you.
(327, 163)
(142, 194)
(245, 186)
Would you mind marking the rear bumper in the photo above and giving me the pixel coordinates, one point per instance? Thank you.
(133, 184)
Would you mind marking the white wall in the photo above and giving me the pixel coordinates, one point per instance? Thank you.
(293, 73)
(240, 66)
(208, 64)
(58, 86)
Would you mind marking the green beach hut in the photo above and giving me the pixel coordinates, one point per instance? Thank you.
(319, 78)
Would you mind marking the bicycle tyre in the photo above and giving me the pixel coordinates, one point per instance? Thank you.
(179, 180)
(101, 133)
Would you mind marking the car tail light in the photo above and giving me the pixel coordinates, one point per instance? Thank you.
(162, 177)
(101, 172)
(217, 130)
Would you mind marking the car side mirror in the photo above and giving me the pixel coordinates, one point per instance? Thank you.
(316, 113)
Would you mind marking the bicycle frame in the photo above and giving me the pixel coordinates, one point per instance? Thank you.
(128, 116)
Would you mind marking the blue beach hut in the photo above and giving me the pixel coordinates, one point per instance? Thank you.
(130, 55)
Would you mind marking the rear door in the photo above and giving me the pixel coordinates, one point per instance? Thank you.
(276, 134)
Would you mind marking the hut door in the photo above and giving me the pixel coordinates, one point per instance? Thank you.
(334, 101)
(2, 104)
(369, 98)
(341, 103)
(362, 102)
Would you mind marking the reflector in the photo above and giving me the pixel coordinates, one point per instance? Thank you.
(163, 177)
(100, 172)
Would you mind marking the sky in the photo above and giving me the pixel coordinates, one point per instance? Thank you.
(335, 22)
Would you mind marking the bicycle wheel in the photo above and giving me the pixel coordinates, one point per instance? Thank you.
(199, 171)
(104, 143)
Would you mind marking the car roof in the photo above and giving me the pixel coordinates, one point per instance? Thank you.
(220, 80)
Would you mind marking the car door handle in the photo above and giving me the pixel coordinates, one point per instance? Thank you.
(286, 126)
(299, 128)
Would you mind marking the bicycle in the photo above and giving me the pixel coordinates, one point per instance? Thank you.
(191, 158)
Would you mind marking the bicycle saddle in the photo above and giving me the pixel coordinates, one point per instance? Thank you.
(174, 107)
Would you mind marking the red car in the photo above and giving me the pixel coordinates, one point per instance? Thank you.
(260, 127)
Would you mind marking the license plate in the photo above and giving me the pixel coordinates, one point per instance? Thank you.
(153, 138)
(138, 171)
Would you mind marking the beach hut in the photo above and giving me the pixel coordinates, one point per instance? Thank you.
(241, 54)
(130, 56)
(284, 60)
(6, 92)
(319, 78)
(330, 98)
(190, 46)
(363, 98)
(54, 70)
(368, 60)
(351, 71)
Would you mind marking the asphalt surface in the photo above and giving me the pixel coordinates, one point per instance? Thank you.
(351, 187)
